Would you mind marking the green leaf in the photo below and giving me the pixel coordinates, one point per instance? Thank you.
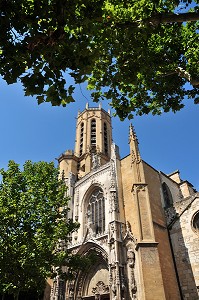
(31, 224)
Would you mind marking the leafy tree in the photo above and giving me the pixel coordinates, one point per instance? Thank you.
(139, 54)
(33, 227)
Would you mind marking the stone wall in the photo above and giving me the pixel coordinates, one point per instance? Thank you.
(185, 242)
(161, 234)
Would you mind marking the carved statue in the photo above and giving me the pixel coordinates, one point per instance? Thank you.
(131, 257)
(95, 161)
(112, 231)
(90, 226)
(114, 202)
(71, 295)
(112, 254)
(128, 226)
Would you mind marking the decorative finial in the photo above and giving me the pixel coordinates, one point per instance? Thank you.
(133, 142)
(132, 134)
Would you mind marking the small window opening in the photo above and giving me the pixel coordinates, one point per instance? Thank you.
(93, 134)
(105, 139)
(81, 139)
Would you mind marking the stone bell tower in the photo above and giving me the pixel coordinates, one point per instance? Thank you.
(93, 139)
(92, 144)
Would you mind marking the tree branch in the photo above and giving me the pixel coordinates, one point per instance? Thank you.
(183, 74)
(161, 19)
(174, 18)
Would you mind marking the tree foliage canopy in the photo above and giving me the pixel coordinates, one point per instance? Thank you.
(138, 54)
(31, 225)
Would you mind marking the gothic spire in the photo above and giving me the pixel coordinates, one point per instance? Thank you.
(133, 142)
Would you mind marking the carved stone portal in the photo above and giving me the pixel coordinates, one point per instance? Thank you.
(100, 288)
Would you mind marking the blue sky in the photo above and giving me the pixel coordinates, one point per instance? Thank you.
(43, 132)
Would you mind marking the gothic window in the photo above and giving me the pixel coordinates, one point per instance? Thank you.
(81, 138)
(93, 133)
(105, 139)
(96, 211)
(195, 222)
(168, 200)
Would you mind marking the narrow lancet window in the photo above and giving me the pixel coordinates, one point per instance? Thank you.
(81, 139)
(93, 134)
(105, 139)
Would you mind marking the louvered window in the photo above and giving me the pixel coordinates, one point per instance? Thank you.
(81, 139)
(105, 139)
(93, 133)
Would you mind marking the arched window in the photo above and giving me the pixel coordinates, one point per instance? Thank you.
(81, 138)
(96, 211)
(168, 199)
(105, 139)
(195, 222)
(93, 134)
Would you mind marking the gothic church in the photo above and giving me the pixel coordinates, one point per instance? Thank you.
(142, 224)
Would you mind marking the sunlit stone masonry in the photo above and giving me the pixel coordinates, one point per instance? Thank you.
(142, 224)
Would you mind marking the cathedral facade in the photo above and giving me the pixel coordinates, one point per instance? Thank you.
(141, 224)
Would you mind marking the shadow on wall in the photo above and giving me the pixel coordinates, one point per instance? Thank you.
(185, 248)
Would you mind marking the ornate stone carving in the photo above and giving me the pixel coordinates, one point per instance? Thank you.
(103, 241)
(113, 176)
(113, 151)
(58, 289)
(72, 178)
(129, 235)
(133, 158)
(135, 153)
(130, 243)
(112, 258)
(95, 161)
(137, 187)
(128, 227)
(87, 178)
(80, 282)
(123, 283)
(131, 257)
(131, 265)
(100, 288)
(114, 206)
(54, 290)
(71, 291)
(112, 231)
(90, 226)
(77, 206)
